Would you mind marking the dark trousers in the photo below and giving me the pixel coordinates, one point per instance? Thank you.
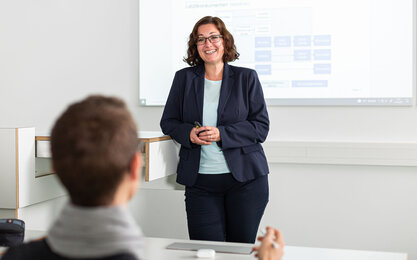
(219, 208)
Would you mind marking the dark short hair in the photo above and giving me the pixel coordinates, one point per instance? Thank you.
(93, 143)
(230, 52)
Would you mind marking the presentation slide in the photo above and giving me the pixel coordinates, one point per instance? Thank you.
(306, 52)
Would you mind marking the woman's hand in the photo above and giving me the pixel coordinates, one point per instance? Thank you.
(272, 246)
(204, 135)
(195, 139)
(208, 133)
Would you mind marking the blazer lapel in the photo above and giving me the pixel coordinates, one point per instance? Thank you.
(198, 83)
(226, 89)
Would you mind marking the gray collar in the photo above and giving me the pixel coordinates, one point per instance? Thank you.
(87, 232)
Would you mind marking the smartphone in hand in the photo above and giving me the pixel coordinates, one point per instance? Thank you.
(198, 125)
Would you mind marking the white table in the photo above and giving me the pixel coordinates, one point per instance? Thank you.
(155, 249)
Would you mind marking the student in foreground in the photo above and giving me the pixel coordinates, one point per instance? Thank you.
(95, 154)
(272, 246)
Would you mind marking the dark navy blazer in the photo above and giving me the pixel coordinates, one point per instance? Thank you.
(242, 120)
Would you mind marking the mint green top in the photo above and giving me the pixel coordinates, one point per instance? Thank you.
(212, 159)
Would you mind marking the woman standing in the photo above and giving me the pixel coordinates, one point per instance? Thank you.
(217, 113)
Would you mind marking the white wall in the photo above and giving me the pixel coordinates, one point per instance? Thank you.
(370, 208)
(53, 52)
(40, 216)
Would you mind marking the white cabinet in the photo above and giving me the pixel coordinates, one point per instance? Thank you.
(27, 177)
(19, 186)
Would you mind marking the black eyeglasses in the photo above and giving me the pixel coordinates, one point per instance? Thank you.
(212, 39)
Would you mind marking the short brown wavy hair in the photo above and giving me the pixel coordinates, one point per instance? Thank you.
(93, 144)
(230, 52)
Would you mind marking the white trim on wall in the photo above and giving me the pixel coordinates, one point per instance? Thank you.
(346, 153)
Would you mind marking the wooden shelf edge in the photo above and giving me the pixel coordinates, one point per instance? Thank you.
(146, 140)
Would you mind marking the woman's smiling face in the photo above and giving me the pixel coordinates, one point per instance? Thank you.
(210, 53)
